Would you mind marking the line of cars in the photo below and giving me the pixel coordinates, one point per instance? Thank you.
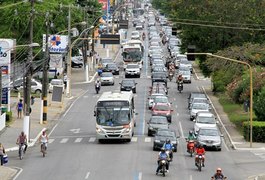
(205, 123)
(109, 68)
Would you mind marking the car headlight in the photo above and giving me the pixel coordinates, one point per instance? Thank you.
(157, 140)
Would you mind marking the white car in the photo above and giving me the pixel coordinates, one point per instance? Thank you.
(151, 99)
(186, 76)
(135, 35)
(106, 78)
(198, 107)
(56, 82)
(204, 119)
(132, 70)
(36, 86)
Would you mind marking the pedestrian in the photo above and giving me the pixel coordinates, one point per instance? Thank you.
(2, 153)
(19, 109)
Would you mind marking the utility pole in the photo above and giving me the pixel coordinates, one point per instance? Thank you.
(68, 89)
(26, 122)
(45, 74)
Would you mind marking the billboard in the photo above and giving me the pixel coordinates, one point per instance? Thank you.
(104, 4)
(56, 61)
(57, 43)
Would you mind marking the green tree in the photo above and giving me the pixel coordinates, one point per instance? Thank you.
(259, 105)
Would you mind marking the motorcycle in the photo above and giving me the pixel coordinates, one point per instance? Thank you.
(43, 149)
(199, 162)
(191, 147)
(143, 37)
(163, 167)
(180, 86)
(170, 76)
(97, 88)
(170, 155)
(213, 178)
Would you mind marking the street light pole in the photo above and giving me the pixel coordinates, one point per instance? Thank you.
(68, 84)
(250, 86)
(26, 121)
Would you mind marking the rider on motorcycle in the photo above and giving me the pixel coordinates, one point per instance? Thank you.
(180, 79)
(168, 146)
(22, 140)
(200, 151)
(191, 137)
(97, 83)
(143, 36)
(43, 139)
(162, 156)
(218, 174)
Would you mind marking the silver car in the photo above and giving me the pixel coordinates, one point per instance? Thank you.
(198, 107)
(186, 76)
(210, 137)
(106, 78)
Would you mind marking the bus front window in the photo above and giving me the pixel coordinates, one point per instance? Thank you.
(113, 116)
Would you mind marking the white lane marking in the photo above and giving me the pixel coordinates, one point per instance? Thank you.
(87, 175)
(18, 173)
(177, 114)
(85, 96)
(181, 130)
(176, 106)
(78, 140)
(64, 140)
(143, 122)
(147, 139)
(140, 176)
(68, 110)
(75, 131)
(50, 141)
(134, 139)
(190, 177)
(53, 129)
(92, 139)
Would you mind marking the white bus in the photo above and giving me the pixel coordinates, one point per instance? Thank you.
(132, 54)
(115, 116)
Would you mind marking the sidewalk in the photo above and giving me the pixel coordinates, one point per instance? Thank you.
(232, 137)
(8, 135)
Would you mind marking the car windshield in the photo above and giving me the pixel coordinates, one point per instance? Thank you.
(57, 82)
(158, 120)
(106, 75)
(185, 72)
(111, 66)
(206, 120)
(166, 133)
(161, 108)
(132, 66)
(109, 116)
(184, 68)
(127, 83)
(199, 106)
(208, 132)
(106, 60)
(161, 99)
(135, 33)
(159, 75)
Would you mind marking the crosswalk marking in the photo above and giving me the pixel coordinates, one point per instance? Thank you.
(260, 154)
(64, 140)
(50, 141)
(134, 139)
(92, 139)
(77, 140)
(147, 139)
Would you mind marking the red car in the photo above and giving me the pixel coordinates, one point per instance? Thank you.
(162, 109)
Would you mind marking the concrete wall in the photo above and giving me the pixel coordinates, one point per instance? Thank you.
(2, 121)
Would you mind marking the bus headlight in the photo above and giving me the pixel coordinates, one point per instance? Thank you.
(99, 130)
(127, 130)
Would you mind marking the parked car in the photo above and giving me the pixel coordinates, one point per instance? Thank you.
(77, 61)
(113, 68)
(162, 109)
(155, 123)
(132, 70)
(210, 137)
(106, 78)
(204, 119)
(36, 86)
(198, 107)
(56, 82)
(128, 85)
(161, 136)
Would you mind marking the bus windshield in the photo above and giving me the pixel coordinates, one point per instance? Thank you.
(132, 55)
(113, 116)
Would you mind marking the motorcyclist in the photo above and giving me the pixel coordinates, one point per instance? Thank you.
(43, 139)
(143, 36)
(200, 151)
(171, 67)
(180, 79)
(22, 140)
(168, 146)
(191, 137)
(97, 83)
(218, 174)
(162, 156)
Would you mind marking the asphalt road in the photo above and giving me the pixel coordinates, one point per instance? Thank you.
(74, 153)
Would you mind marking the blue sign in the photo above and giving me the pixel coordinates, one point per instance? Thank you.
(5, 96)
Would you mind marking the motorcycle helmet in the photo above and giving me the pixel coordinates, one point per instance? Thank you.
(200, 146)
(219, 170)
(168, 141)
(163, 150)
(190, 132)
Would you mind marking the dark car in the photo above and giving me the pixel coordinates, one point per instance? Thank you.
(128, 85)
(112, 67)
(159, 77)
(161, 136)
(155, 123)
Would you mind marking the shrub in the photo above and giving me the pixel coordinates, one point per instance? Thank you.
(259, 105)
(258, 131)
(9, 116)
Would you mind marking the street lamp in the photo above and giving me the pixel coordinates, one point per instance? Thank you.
(250, 86)
(68, 88)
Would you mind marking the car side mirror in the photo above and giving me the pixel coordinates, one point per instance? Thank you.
(221, 135)
(194, 120)
(95, 113)
(136, 83)
(217, 122)
(120, 83)
(136, 113)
